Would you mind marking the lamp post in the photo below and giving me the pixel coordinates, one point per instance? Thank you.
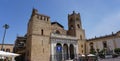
(6, 26)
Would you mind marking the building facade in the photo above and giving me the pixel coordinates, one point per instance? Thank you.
(48, 40)
(7, 47)
(107, 43)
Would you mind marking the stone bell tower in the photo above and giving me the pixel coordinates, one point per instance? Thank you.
(75, 29)
(38, 37)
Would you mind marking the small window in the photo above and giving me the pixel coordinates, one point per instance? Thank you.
(81, 37)
(91, 45)
(78, 25)
(71, 27)
(105, 44)
(42, 32)
(81, 46)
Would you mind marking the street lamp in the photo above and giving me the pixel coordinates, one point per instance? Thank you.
(6, 26)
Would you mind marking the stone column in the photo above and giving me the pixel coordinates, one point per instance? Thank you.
(69, 51)
(77, 50)
(62, 52)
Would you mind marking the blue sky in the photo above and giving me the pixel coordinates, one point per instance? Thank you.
(99, 17)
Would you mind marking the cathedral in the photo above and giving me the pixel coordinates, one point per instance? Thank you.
(49, 41)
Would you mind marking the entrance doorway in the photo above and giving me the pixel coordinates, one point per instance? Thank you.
(59, 52)
(65, 51)
(71, 51)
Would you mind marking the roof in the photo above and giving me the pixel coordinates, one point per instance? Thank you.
(7, 44)
(57, 23)
(111, 35)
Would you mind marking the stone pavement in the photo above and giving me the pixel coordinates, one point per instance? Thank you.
(110, 59)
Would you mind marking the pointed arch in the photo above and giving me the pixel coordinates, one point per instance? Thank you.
(59, 52)
(65, 51)
(72, 55)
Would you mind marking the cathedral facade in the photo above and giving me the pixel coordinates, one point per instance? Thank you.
(48, 40)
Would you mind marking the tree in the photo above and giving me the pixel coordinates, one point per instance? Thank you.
(117, 50)
(92, 51)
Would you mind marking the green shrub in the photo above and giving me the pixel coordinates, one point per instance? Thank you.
(92, 51)
(117, 50)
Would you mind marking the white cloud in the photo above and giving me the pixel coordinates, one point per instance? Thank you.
(109, 24)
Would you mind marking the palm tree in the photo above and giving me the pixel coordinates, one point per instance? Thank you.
(6, 26)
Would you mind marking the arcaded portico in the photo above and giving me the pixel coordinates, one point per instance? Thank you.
(63, 47)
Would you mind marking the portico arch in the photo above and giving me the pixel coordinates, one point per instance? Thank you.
(71, 48)
(59, 52)
(65, 51)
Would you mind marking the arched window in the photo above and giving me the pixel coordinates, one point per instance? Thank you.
(78, 25)
(105, 44)
(91, 43)
(92, 50)
(71, 27)
(59, 52)
(42, 32)
(81, 46)
(65, 51)
(81, 37)
(71, 48)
